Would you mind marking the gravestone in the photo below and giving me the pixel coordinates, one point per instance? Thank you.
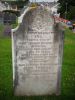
(1, 18)
(37, 49)
(6, 17)
(13, 18)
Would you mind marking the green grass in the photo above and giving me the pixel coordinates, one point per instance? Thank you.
(68, 71)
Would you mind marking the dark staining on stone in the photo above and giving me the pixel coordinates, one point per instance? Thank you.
(56, 32)
(15, 61)
(16, 77)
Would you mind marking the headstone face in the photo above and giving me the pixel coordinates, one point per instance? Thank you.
(37, 47)
(6, 17)
(13, 18)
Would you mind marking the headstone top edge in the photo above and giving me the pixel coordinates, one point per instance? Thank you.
(20, 19)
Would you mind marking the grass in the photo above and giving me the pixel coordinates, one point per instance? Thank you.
(68, 71)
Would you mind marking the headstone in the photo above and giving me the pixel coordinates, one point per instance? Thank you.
(6, 17)
(13, 18)
(37, 48)
(1, 18)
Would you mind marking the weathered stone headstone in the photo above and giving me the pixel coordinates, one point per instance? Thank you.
(13, 18)
(37, 47)
(1, 18)
(6, 17)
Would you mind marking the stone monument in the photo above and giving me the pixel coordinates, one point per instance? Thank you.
(37, 49)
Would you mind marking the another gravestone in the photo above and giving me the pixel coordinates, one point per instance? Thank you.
(37, 47)
(1, 18)
(6, 17)
(13, 18)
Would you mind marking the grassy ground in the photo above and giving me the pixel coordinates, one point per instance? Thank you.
(68, 71)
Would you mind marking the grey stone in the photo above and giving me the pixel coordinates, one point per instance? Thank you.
(37, 49)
